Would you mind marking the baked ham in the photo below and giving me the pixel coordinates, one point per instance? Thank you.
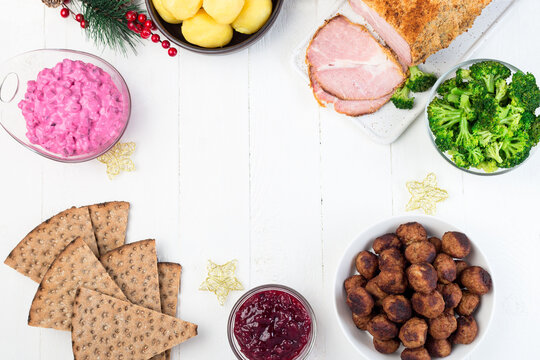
(347, 107)
(347, 62)
(416, 29)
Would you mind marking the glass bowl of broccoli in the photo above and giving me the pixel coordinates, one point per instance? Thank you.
(481, 116)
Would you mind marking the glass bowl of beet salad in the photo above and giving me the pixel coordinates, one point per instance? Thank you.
(271, 322)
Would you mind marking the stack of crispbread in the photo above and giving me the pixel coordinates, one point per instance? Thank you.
(100, 288)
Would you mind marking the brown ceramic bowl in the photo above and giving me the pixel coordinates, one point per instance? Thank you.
(239, 41)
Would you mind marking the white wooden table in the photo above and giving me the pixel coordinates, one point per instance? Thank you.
(236, 161)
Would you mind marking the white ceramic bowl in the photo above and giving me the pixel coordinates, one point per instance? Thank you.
(362, 340)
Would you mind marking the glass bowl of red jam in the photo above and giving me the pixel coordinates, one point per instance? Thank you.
(272, 322)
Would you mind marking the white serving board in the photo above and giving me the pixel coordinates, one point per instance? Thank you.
(386, 125)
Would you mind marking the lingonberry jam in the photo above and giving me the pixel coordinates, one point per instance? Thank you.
(272, 325)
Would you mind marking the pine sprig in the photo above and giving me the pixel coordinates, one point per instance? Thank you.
(106, 22)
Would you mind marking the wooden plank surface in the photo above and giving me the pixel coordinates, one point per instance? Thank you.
(236, 161)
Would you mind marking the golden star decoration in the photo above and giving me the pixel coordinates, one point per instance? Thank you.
(118, 159)
(221, 280)
(425, 195)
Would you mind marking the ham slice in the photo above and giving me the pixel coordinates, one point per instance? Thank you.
(416, 29)
(347, 107)
(350, 64)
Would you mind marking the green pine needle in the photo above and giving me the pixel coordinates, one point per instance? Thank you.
(106, 23)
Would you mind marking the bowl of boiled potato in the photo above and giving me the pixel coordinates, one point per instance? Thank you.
(214, 26)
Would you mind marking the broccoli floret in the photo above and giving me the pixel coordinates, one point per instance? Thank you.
(454, 96)
(475, 156)
(488, 166)
(486, 107)
(442, 115)
(464, 139)
(493, 152)
(515, 150)
(485, 137)
(447, 86)
(444, 139)
(459, 159)
(510, 116)
(524, 92)
(462, 76)
(489, 72)
(401, 98)
(420, 81)
(501, 88)
(534, 132)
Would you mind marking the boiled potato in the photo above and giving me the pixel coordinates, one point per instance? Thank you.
(204, 31)
(223, 11)
(164, 13)
(253, 16)
(182, 9)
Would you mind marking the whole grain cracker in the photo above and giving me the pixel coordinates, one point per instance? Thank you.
(108, 328)
(36, 252)
(134, 268)
(169, 287)
(109, 221)
(74, 267)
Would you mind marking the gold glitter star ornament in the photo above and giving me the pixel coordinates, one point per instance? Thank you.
(425, 195)
(221, 280)
(118, 159)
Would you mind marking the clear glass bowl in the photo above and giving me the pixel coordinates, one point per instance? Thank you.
(230, 325)
(450, 74)
(17, 71)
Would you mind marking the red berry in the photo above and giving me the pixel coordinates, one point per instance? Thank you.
(145, 33)
(66, 1)
(131, 15)
(165, 44)
(148, 24)
(139, 28)
(64, 12)
(155, 38)
(83, 24)
(172, 52)
(131, 25)
(154, 27)
(142, 18)
(79, 17)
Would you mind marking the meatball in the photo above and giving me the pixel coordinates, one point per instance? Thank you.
(413, 333)
(361, 322)
(442, 326)
(436, 242)
(397, 308)
(386, 241)
(446, 268)
(438, 348)
(422, 277)
(391, 259)
(375, 290)
(353, 282)
(460, 266)
(382, 328)
(420, 251)
(411, 232)
(367, 264)
(386, 346)
(476, 280)
(415, 354)
(451, 294)
(392, 281)
(428, 305)
(456, 244)
(468, 304)
(360, 301)
(466, 332)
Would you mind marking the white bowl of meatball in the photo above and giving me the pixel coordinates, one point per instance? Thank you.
(414, 287)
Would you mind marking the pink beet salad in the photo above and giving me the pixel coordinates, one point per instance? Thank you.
(73, 109)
